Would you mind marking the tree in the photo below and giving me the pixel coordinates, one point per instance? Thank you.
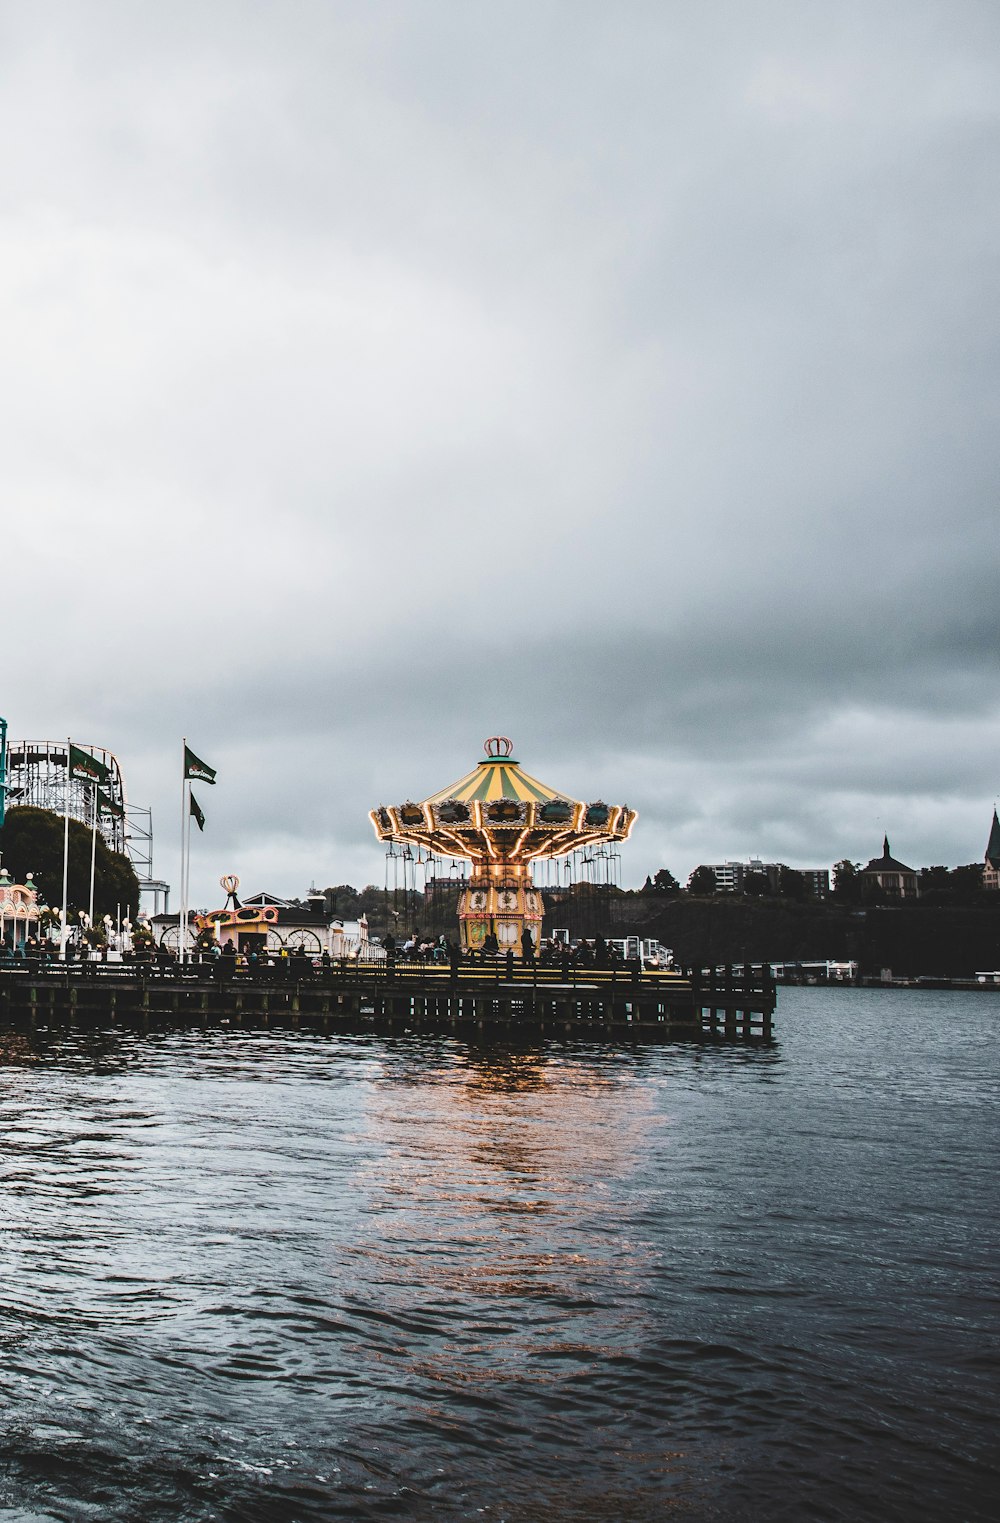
(664, 882)
(701, 881)
(847, 881)
(967, 883)
(756, 885)
(935, 885)
(342, 901)
(372, 899)
(791, 884)
(958, 886)
(31, 841)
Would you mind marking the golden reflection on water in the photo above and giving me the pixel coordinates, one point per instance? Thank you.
(493, 1182)
(511, 1137)
(16, 1050)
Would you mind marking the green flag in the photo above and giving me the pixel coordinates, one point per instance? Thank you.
(84, 768)
(198, 813)
(107, 805)
(195, 767)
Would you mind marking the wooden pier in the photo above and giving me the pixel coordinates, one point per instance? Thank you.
(617, 1003)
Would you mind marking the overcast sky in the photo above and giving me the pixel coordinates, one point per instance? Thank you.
(623, 378)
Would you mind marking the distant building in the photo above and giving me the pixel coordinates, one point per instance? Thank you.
(438, 887)
(991, 863)
(730, 877)
(895, 879)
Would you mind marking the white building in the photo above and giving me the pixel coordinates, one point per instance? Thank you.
(731, 876)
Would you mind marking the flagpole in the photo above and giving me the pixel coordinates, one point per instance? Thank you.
(187, 880)
(93, 854)
(182, 923)
(63, 929)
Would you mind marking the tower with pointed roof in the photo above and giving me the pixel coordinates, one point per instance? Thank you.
(894, 878)
(991, 861)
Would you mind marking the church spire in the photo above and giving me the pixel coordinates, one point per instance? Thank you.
(993, 846)
(885, 847)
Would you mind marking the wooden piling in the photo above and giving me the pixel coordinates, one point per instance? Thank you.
(593, 1002)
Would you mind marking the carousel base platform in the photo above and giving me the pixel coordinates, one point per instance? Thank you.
(616, 1003)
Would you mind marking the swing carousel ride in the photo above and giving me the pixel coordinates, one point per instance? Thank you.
(500, 821)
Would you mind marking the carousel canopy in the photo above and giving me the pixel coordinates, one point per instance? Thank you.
(497, 813)
(498, 777)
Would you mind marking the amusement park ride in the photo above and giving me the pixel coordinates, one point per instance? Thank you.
(36, 773)
(500, 821)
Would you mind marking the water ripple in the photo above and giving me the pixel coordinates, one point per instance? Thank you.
(267, 1276)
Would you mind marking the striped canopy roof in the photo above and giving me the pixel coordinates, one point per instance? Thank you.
(498, 778)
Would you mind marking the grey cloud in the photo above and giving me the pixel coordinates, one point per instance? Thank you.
(377, 377)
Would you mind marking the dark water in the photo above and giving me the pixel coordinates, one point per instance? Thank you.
(281, 1277)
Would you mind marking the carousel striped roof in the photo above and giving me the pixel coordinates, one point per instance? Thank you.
(498, 778)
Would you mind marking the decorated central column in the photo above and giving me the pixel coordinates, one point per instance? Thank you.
(501, 900)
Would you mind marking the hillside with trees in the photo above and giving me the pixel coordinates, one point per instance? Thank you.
(951, 931)
(31, 841)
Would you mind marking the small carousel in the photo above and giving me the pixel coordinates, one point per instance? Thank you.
(500, 820)
(20, 911)
(266, 922)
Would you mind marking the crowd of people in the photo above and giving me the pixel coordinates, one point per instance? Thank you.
(219, 962)
(260, 962)
(419, 948)
(593, 953)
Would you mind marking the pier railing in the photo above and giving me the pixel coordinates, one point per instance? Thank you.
(618, 1000)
